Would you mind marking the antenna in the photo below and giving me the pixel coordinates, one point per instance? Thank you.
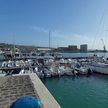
(100, 22)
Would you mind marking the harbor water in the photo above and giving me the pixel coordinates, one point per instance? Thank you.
(79, 92)
(85, 54)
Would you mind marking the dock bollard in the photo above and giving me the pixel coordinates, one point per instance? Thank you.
(26, 102)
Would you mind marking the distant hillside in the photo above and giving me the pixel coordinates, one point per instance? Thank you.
(23, 48)
(5, 45)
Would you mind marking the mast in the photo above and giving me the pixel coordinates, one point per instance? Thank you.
(104, 48)
(49, 39)
(14, 50)
(13, 46)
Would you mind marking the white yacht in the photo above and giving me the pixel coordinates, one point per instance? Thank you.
(99, 67)
(58, 55)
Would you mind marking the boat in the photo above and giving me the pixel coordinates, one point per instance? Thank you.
(99, 67)
(58, 55)
(83, 70)
(98, 64)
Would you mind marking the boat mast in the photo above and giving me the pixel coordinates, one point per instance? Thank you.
(13, 46)
(14, 51)
(49, 39)
(104, 48)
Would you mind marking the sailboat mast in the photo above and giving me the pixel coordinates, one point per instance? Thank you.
(104, 48)
(14, 50)
(49, 39)
(13, 46)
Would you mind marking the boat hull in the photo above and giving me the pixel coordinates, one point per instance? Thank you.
(99, 69)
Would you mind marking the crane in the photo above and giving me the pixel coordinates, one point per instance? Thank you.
(103, 45)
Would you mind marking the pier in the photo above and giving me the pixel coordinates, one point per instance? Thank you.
(13, 87)
(42, 57)
(78, 57)
(15, 68)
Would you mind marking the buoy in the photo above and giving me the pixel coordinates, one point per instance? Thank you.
(26, 102)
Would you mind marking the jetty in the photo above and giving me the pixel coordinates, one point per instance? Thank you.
(15, 68)
(13, 87)
(43, 57)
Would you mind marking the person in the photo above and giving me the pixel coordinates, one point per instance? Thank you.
(26, 102)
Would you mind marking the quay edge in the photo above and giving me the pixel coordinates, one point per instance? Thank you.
(45, 96)
(16, 86)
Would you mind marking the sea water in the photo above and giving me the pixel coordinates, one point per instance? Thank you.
(85, 54)
(79, 92)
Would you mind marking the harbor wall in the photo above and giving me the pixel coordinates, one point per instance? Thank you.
(45, 96)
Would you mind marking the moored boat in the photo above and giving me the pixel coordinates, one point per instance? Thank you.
(99, 67)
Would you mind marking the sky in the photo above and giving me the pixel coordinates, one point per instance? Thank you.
(70, 22)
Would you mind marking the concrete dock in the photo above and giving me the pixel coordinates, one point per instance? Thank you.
(13, 87)
(45, 96)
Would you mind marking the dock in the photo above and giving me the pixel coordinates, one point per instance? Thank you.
(26, 58)
(15, 68)
(78, 57)
(43, 57)
(13, 87)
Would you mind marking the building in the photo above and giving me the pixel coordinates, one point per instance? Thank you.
(44, 49)
(72, 48)
(62, 48)
(83, 47)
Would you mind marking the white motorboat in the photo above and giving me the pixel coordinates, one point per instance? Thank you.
(99, 67)
(58, 55)
(82, 70)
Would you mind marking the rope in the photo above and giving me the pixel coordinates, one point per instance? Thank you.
(101, 20)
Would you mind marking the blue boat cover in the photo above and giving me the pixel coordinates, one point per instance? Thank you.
(26, 102)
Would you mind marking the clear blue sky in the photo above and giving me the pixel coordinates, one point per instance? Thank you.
(70, 22)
